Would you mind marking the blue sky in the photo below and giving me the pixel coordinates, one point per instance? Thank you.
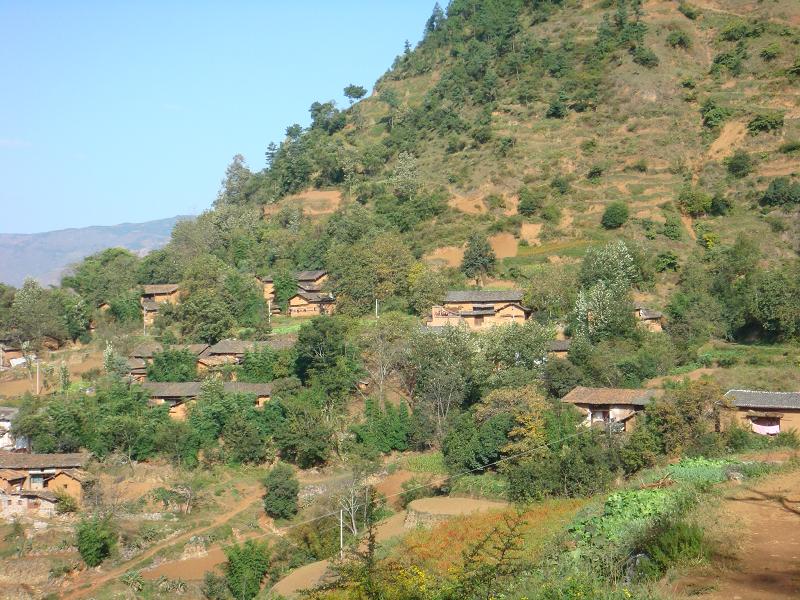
(117, 112)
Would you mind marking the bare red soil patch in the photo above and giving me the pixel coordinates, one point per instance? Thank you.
(313, 202)
(504, 245)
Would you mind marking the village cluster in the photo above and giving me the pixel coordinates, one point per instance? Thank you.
(31, 484)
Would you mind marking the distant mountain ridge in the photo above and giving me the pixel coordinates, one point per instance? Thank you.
(46, 256)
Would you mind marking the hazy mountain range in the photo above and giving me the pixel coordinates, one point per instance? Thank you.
(46, 256)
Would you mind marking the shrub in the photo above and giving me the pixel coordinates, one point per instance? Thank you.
(65, 503)
(781, 192)
(770, 52)
(645, 56)
(246, 567)
(738, 30)
(95, 539)
(529, 201)
(558, 108)
(720, 204)
(733, 60)
(615, 215)
(280, 498)
(713, 114)
(789, 146)
(688, 11)
(595, 172)
(667, 261)
(679, 39)
(672, 228)
(693, 201)
(551, 213)
(675, 544)
(766, 122)
(740, 164)
(560, 184)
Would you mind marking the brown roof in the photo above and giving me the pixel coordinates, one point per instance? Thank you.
(239, 347)
(136, 364)
(315, 297)
(608, 396)
(480, 296)
(146, 350)
(311, 275)
(12, 474)
(161, 288)
(17, 460)
(41, 494)
(192, 389)
(149, 305)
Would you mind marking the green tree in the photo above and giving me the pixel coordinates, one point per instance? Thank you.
(426, 287)
(479, 258)
(95, 539)
(258, 365)
(354, 92)
(103, 276)
(740, 164)
(246, 568)
(281, 490)
(244, 443)
(173, 365)
(782, 192)
(615, 215)
(234, 184)
(205, 317)
(36, 313)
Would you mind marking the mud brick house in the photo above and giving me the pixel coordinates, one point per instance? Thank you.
(607, 406)
(766, 413)
(311, 304)
(178, 395)
(479, 309)
(156, 294)
(650, 319)
(311, 281)
(30, 483)
(558, 348)
(231, 352)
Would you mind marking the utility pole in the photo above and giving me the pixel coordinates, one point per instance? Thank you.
(341, 534)
(37, 376)
(376, 309)
(269, 312)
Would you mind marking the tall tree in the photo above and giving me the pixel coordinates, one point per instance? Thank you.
(233, 185)
(479, 258)
(354, 92)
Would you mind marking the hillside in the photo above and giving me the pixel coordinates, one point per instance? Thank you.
(581, 103)
(45, 256)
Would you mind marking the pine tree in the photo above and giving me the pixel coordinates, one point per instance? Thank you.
(479, 258)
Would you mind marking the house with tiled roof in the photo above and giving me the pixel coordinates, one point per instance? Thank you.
(650, 319)
(156, 294)
(479, 309)
(766, 413)
(605, 406)
(178, 395)
(30, 483)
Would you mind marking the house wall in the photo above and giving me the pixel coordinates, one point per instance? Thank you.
(15, 506)
(261, 401)
(616, 412)
(7, 486)
(172, 298)
(448, 315)
(149, 317)
(269, 290)
(64, 483)
(179, 412)
(510, 314)
(790, 419)
(299, 307)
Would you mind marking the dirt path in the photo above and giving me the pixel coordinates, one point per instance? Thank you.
(82, 590)
(767, 565)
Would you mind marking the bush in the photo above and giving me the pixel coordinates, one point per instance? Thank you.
(765, 122)
(615, 215)
(551, 213)
(65, 503)
(645, 56)
(694, 202)
(246, 567)
(770, 52)
(595, 172)
(679, 39)
(740, 164)
(677, 543)
(688, 11)
(95, 539)
(738, 30)
(529, 201)
(667, 261)
(789, 146)
(713, 114)
(558, 108)
(672, 228)
(280, 498)
(560, 184)
(781, 192)
(720, 204)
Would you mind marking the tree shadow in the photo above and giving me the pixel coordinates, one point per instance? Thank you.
(781, 500)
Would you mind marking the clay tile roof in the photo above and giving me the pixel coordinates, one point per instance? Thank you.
(12, 474)
(149, 305)
(192, 389)
(146, 350)
(164, 389)
(484, 296)
(16, 460)
(161, 288)
(310, 275)
(762, 399)
(315, 296)
(43, 494)
(601, 396)
(136, 364)
(231, 346)
(559, 345)
(649, 313)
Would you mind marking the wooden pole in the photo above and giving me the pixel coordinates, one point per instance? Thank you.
(341, 534)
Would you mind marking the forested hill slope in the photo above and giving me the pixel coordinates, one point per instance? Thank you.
(574, 104)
